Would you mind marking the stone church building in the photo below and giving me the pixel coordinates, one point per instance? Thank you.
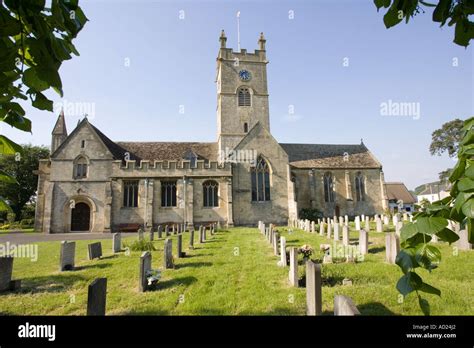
(92, 183)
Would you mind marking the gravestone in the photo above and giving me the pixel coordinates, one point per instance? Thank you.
(116, 242)
(379, 226)
(6, 271)
(344, 305)
(66, 256)
(357, 223)
(463, 241)
(145, 267)
(367, 224)
(321, 229)
(345, 235)
(168, 254)
(329, 230)
(363, 242)
(346, 220)
(276, 240)
(204, 232)
(140, 234)
(167, 230)
(336, 231)
(283, 261)
(314, 303)
(395, 219)
(385, 220)
(152, 234)
(180, 252)
(398, 227)
(191, 238)
(95, 250)
(174, 229)
(312, 226)
(293, 274)
(160, 232)
(97, 297)
(392, 247)
(405, 217)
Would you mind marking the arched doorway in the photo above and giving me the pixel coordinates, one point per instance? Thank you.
(80, 217)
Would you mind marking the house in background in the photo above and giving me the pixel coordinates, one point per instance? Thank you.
(399, 198)
(433, 191)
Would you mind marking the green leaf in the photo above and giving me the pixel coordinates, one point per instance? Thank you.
(3, 205)
(408, 231)
(392, 17)
(458, 170)
(32, 80)
(427, 256)
(441, 12)
(382, 3)
(424, 305)
(431, 225)
(42, 103)
(17, 121)
(468, 208)
(429, 289)
(408, 283)
(416, 240)
(470, 172)
(446, 235)
(405, 259)
(463, 32)
(465, 185)
(6, 178)
(8, 147)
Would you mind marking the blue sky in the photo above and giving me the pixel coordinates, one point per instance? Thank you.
(141, 60)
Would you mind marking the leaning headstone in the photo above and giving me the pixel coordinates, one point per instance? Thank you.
(145, 267)
(336, 231)
(463, 241)
(283, 261)
(276, 240)
(140, 234)
(180, 252)
(293, 274)
(95, 250)
(168, 254)
(191, 238)
(117, 242)
(392, 247)
(67, 256)
(6, 271)
(97, 297)
(345, 235)
(379, 226)
(314, 303)
(363, 242)
(344, 305)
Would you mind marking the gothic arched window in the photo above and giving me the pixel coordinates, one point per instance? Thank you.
(80, 168)
(244, 96)
(210, 189)
(360, 187)
(260, 181)
(328, 187)
(246, 127)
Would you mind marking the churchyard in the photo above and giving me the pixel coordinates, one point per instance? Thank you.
(235, 271)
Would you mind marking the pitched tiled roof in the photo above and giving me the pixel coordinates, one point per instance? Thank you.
(170, 150)
(330, 156)
(117, 151)
(398, 191)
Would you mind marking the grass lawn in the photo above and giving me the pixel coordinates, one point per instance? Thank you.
(233, 273)
(22, 230)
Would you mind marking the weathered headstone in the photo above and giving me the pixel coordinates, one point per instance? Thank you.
(6, 271)
(392, 247)
(329, 231)
(95, 250)
(357, 223)
(312, 226)
(140, 234)
(293, 274)
(117, 242)
(204, 232)
(379, 226)
(145, 267)
(345, 235)
(152, 234)
(191, 238)
(168, 254)
(67, 256)
(398, 227)
(167, 230)
(321, 229)
(344, 305)
(336, 231)
(463, 241)
(314, 303)
(283, 261)
(385, 220)
(174, 229)
(180, 252)
(346, 220)
(160, 231)
(367, 224)
(97, 297)
(276, 240)
(363, 242)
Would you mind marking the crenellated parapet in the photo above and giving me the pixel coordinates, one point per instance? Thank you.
(146, 168)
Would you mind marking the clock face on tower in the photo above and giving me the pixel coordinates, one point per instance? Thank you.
(245, 75)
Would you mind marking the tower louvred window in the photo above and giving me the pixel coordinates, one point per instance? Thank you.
(244, 97)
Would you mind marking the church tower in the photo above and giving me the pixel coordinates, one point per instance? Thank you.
(59, 133)
(242, 92)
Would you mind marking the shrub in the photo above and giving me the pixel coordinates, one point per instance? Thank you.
(310, 214)
(24, 223)
(140, 245)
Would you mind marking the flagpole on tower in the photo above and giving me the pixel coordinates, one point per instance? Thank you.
(238, 30)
